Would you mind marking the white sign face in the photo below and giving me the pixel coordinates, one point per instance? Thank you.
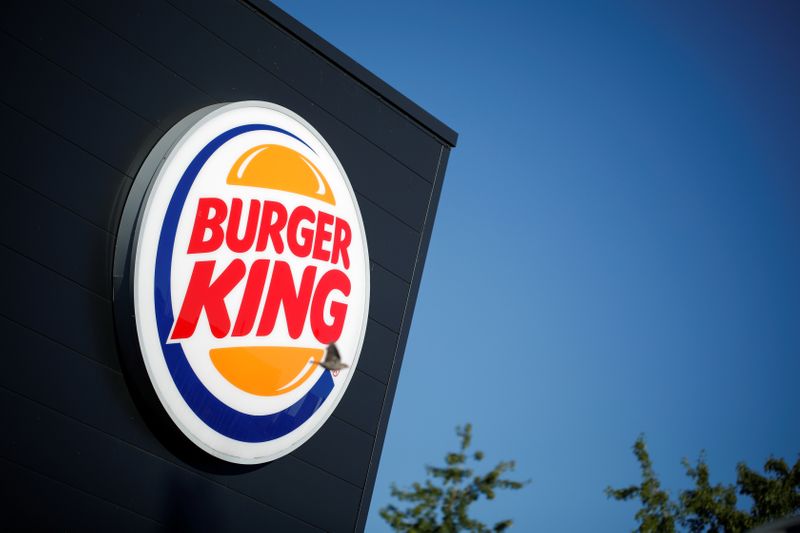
(250, 257)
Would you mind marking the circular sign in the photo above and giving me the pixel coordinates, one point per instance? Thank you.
(243, 255)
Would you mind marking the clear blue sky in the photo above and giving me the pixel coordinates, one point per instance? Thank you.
(617, 247)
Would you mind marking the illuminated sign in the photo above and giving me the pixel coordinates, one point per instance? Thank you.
(245, 257)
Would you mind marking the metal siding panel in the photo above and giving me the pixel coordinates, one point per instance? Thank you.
(52, 236)
(128, 74)
(408, 314)
(38, 89)
(58, 308)
(381, 89)
(226, 75)
(22, 142)
(45, 441)
(340, 449)
(34, 502)
(361, 404)
(319, 80)
(378, 351)
(78, 44)
(391, 244)
(105, 403)
(387, 297)
(322, 500)
(393, 241)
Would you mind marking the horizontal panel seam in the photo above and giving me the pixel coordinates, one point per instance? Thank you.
(191, 84)
(80, 79)
(54, 271)
(385, 268)
(155, 456)
(369, 200)
(370, 375)
(269, 72)
(93, 224)
(369, 86)
(394, 274)
(68, 485)
(61, 136)
(24, 256)
(386, 327)
(56, 341)
(119, 374)
(390, 328)
(386, 409)
(316, 466)
(362, 430)
(309, 463)
(54, 202)
(108, 299)
(134, 45)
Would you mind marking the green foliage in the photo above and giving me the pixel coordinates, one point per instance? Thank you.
(658, 514)
(711, 507)
(775, 495)
(441, 503)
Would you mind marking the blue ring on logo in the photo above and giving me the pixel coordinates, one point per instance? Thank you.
(212, 411)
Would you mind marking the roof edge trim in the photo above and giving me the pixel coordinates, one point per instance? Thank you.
(354, 69)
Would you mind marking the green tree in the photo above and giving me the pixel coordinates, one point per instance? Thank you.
(658, 514)
(775, 495)
(441, 503)
(711, 507)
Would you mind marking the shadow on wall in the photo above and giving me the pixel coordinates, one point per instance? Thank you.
(188, 506)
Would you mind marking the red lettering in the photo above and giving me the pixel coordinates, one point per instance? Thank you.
(203, 221)
(293, 230)
(295, 301)
(271, 226)
(322, 236)
(341, 240)
(333, 280)
(236, 244)
(251, 298)
(305, 232)
(202, 294)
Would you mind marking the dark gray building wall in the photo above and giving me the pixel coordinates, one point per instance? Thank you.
(87, 89)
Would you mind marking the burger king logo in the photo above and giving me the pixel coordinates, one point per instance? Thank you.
(245, 257)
